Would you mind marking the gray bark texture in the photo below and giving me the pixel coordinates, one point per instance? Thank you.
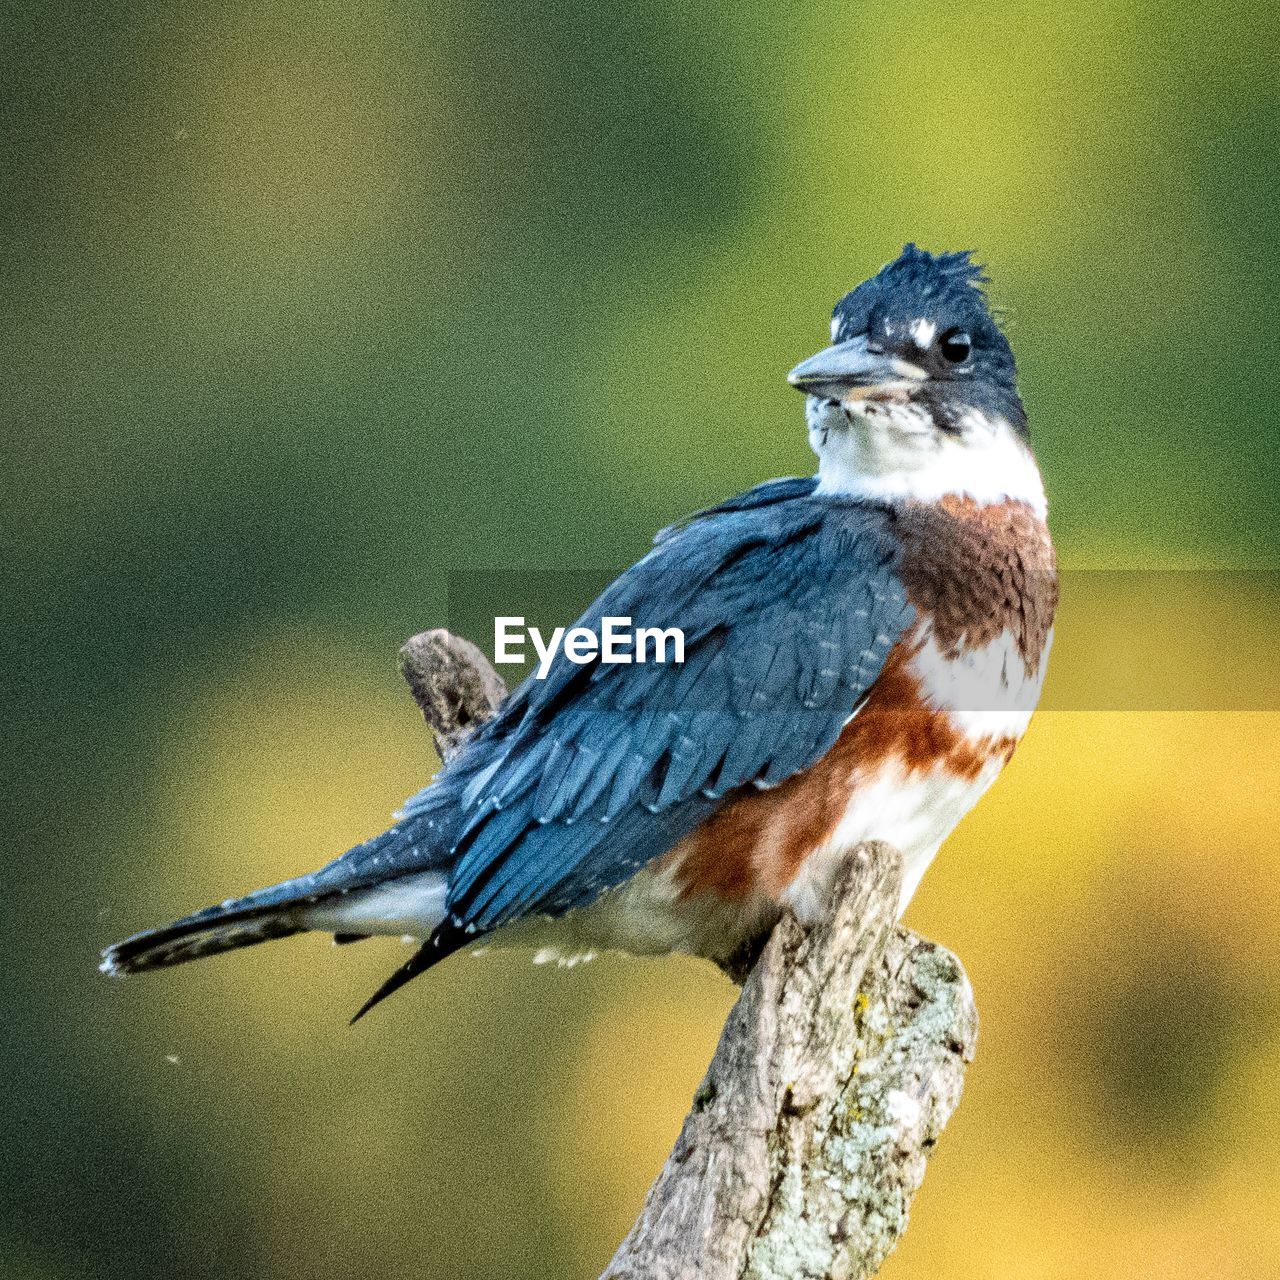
(835, 1074)
(453, 684)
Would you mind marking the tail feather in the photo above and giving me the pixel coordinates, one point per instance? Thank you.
(245, 922)
(326, 899)
(444, 941)
(206, 933)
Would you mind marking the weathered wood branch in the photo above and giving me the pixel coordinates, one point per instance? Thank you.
(453, 684)
(835, 1074)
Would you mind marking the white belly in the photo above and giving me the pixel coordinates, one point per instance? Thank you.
(988, 696)
(914, 813)
(986, 692)
(647, 916)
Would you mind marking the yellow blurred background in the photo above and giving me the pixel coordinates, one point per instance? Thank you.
(317, 318)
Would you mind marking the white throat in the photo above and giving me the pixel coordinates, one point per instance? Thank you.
(884, 452)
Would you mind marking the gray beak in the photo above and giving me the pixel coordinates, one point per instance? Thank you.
(847, 365)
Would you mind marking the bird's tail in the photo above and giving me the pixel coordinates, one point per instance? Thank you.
(276, 912)
(390, 884)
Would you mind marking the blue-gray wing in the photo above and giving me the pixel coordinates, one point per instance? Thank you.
(788, 606)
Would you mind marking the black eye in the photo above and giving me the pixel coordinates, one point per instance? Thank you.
(955, 345)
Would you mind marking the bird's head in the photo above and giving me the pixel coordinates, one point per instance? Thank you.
(917, 396)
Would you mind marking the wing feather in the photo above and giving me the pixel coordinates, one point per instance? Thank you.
(788, 612)
(789, 604)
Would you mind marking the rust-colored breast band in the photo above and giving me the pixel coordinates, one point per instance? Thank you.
(978, 570)
(759, 840)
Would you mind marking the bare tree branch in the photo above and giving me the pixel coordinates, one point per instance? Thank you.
(453, 684)
(835, 1074)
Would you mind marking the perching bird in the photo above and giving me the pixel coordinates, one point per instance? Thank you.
(863, 650)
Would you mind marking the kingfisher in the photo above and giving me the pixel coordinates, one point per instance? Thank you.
(863, 650)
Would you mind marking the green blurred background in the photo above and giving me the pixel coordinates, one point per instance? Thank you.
(309, 311)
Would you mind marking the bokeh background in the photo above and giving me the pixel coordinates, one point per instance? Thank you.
(313, 314)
